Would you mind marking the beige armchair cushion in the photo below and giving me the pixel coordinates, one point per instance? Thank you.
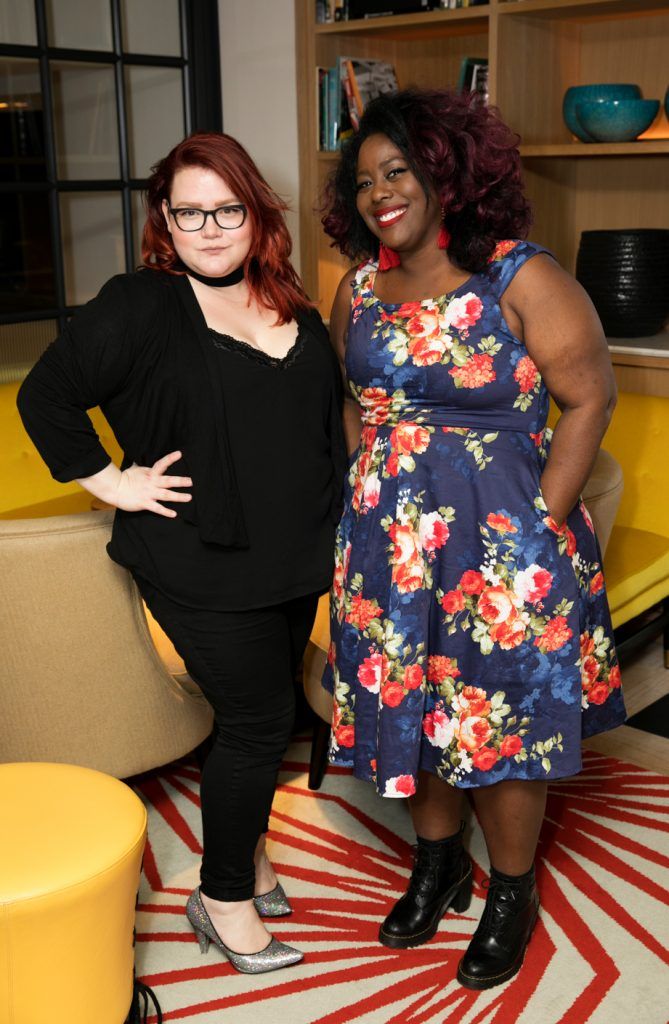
(82, 681)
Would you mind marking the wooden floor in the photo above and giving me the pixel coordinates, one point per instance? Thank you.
(645, 680)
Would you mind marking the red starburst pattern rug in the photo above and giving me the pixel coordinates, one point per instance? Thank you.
(599, 953)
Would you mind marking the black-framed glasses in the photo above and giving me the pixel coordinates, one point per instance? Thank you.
(227, 217)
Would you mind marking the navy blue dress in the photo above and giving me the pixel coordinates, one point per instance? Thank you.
(471, 635)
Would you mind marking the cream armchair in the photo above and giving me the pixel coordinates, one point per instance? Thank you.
(82, 681)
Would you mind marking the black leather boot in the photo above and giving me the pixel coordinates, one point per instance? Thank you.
(498, 947)
(441, 878)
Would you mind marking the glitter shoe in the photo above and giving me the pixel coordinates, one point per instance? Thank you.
(275, 956)
(274, 903)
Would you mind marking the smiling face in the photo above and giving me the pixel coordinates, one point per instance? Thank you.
(212, 251)
(391, 200)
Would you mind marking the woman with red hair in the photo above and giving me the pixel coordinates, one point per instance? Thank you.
(219, 382)
(471, 641)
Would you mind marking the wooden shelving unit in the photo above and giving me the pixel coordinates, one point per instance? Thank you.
(536, 49)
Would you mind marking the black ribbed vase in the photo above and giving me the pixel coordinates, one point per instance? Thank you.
(626, 274)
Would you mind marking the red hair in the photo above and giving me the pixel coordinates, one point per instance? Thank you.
(269, 273)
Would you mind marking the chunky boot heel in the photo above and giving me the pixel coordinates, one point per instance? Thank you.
(497, 949)
(463, 897)
(441, 878)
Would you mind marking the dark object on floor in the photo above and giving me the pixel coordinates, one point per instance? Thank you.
(139, 1008)
(498, 946)
(654, 718)
(441, 878)
(643, 628)
(319, 753)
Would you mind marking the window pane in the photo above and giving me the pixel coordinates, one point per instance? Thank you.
(82, 26)
(17, 23)
(155, 115)
(21, 345)
(21, 122)
(26, 253)
(151, 26)
(138, 219)
(86, 127)
(92, 228)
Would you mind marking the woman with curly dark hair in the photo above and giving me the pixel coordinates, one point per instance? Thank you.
(471, 641)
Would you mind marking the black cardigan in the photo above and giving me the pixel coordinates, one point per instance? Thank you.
(141, 351)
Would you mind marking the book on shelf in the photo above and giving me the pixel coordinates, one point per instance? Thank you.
(343, 93)
(365, 79)
(474, 76)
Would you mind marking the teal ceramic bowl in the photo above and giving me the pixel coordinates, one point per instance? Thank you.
(582, 93)
(616, 120)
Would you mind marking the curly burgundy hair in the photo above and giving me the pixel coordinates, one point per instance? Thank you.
(267, 269)
(455, 145)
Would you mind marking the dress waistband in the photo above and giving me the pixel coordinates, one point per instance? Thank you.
(385, 415)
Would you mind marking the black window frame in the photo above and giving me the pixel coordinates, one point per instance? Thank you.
(203, 111)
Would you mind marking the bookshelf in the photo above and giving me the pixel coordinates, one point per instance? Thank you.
(535, 49)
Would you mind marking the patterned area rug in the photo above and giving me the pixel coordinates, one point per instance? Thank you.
(599, 953)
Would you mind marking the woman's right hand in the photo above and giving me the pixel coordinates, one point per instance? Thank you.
(139, 488)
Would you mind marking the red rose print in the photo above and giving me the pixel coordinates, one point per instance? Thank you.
(392, 694)
(345, 736)
(440, 668)
(413, 677)
(362, 612)
(476, 372)
(562, 531)
(410, 437)
(373, 672)
(401, 785)
(453, 601)
(510, 745)
(393, 464)
(375, 405)
(485, 758)
(614, 677)
(587, 645)
(501, 249)
(598, 693)
(555, 635)
(472, 700)
(472, 582)
(532, 584)
(526, 374)
(464, 311)
(496, 604)
(597, 583)
(501, 523)
(332, 653)
(473, 733)
(508, 634)
(589, 671)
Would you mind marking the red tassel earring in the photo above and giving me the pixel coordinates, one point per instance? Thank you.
(444, 238)
(388, 258)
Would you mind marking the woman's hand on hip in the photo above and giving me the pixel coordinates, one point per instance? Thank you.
(140, 488)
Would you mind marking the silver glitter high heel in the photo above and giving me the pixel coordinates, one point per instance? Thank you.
(275, 956)
(274, 903)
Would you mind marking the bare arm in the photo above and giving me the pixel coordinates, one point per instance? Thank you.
(339, 317)
(565, 340)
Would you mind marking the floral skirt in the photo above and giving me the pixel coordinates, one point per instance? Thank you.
(470, 636)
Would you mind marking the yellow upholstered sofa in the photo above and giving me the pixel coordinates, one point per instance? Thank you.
(637, 558)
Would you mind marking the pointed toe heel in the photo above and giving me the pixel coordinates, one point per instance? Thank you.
(272, 958)
(274, 903)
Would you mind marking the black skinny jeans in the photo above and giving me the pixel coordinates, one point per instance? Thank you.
(245, 663)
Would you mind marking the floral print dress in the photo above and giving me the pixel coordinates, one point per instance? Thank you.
(470, 636)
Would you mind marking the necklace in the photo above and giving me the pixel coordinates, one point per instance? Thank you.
(234, 277)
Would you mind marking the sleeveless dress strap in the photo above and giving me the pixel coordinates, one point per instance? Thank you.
(508, 258)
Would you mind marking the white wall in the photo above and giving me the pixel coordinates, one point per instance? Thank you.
(259, 93)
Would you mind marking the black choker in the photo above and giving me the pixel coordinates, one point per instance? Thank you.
(218, 282)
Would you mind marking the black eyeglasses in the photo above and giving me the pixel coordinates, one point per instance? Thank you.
(227, 217)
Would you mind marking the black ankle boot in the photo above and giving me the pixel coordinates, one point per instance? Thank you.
(441, 878)
(498, 947)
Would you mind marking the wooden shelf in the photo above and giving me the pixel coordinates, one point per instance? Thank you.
(405, 24)
(579, 8)
(649, 147)
(557, 43)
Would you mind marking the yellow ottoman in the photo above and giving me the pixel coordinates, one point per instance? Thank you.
(70, 857)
